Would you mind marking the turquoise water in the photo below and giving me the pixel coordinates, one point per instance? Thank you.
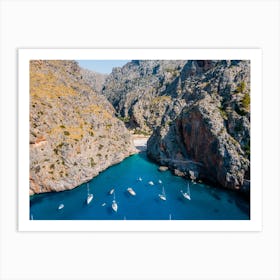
(207, 203)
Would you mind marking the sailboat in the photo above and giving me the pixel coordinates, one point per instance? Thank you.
(162, 196)
(114, 204)
(151, 183)
(187, 195)
(89, 196)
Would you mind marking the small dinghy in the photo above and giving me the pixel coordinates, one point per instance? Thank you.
(111, 191)
(60, 206)
(131, 191)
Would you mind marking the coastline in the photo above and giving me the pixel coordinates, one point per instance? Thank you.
(140, 142)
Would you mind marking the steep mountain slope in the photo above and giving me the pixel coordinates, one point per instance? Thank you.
(137, 92)
(93, 79)
(198, 112)
(73, 130)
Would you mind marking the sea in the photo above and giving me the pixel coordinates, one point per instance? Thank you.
(137, 172)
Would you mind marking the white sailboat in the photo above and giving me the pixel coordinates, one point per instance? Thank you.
(114, 204)
(151, 183)
(187, 195)
(111, 191)
(131, 191)
(162, 196)
(159, 181)
(89, 195)
(139, 179)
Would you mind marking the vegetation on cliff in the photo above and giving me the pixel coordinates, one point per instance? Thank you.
(74, 133)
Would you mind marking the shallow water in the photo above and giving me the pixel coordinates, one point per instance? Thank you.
(207, 202)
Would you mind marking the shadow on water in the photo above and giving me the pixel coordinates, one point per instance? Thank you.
(182, 200)
(109, 210)
(213, 194)
(127, 195)
(242, 204)
(143, 155)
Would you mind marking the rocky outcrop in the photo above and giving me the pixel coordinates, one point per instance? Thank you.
(211, 135)
(74, 133)
(198, 142)
(138, 93)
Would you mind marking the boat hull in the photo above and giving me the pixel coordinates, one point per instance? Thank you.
(89, 198)
(131, 191)
(115, 206)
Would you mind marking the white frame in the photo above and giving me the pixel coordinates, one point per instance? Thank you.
(255, 222)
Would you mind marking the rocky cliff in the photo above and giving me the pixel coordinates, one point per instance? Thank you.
(137, 91)
(93, 79)
(211, 136)
(198, 112)
(74, 133)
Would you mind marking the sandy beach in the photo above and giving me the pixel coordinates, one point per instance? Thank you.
(140, 143)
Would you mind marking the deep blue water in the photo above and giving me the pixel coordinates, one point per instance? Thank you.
(207, 202)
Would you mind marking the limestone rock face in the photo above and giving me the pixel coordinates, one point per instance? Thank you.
(138, 92)
(74, 133)
(198, 141)
(210, 135)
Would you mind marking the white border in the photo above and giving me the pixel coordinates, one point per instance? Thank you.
(254, 55)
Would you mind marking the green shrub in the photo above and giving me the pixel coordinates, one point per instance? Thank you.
(223, 113)
(124, 119)
(92, 163)
(246, 102)
(247, 149)
(66, 133)
(241, 87)
(138, 131)
(60, 145)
